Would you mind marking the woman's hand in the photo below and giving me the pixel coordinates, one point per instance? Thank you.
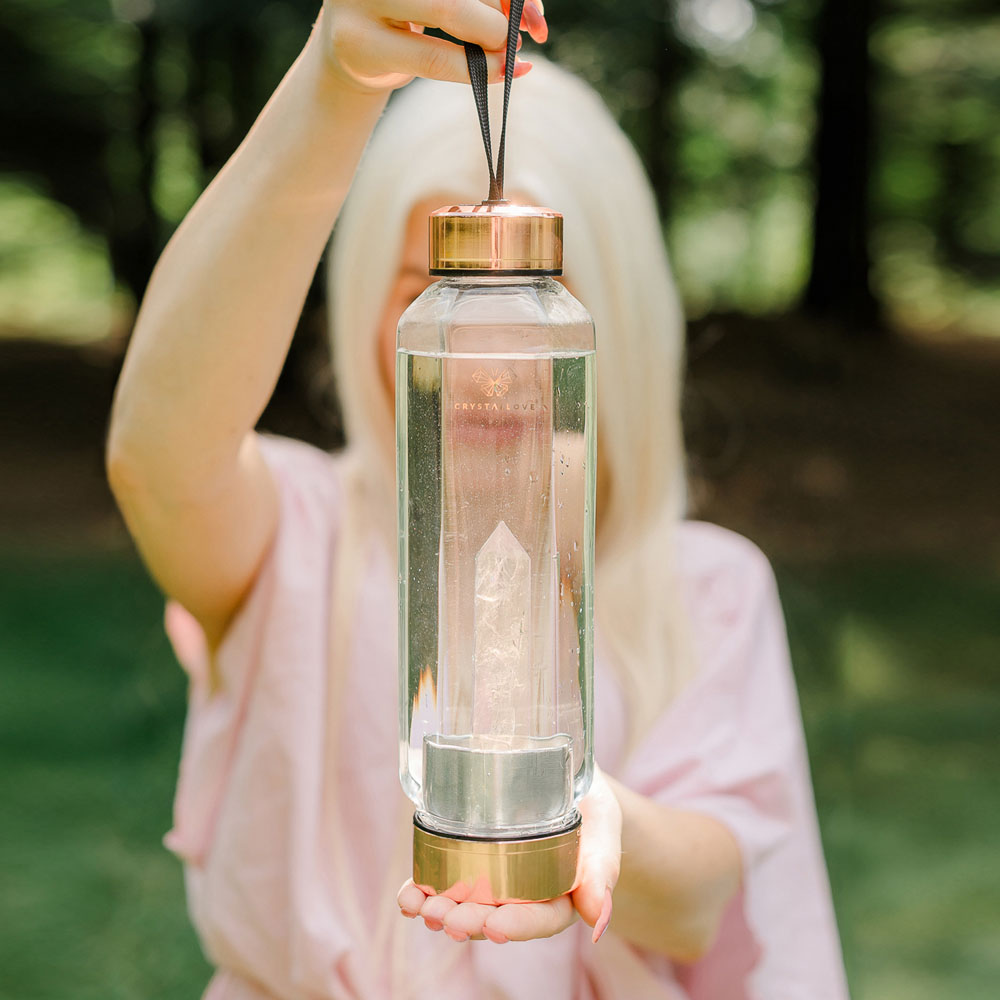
(597, 872)
(378, 45)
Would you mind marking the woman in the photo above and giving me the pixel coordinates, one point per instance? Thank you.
(278, 559)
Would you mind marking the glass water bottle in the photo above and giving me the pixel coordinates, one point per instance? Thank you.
(496, 475)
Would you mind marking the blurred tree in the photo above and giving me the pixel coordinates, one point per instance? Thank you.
(78, 100)
(670, 61)
(124, 110)
(91, 86)
(936, 176)
(633, 54)
(135, 235)
(839, 277)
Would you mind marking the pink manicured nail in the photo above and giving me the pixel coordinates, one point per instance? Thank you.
(495, 936)
(534, 20)
(520, 68)
(409, 914)
(456, 935)
(605, 918)
(433, 925)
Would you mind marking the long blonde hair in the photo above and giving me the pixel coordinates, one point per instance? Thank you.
(565, 151)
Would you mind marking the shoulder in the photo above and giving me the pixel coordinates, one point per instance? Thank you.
(728, 586)
(721, 560)
(292, 458)
(308, 478)
(293, 567)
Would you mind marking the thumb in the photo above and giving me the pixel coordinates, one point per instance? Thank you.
(599, 861)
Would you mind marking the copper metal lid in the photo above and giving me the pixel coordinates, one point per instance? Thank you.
(495, 238)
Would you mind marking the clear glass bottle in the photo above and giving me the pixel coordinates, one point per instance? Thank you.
(496, 474)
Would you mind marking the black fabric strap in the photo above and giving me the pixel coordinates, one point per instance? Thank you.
(479, 75)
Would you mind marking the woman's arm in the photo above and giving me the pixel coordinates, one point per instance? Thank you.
(672, 874)
(679, 871)
(224, 299)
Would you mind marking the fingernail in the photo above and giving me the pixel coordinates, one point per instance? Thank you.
(534, 20)
(540, 6)
(605, 918)
(410, 914)
(520, 42)
(456, 935)
(495, 936)
(433, 925)
(521, 68)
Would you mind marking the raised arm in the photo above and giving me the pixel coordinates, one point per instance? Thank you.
(223, 301)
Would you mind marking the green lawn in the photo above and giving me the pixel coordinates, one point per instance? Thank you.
(897, 667)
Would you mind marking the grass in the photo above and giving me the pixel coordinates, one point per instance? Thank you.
(897, 667)
(896, 662)
(90, 723)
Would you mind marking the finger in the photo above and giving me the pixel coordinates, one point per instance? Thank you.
(604, 918)
(435, 909)
(459, 892)
(526, 921)
(597, 874)
(410, 899)
(532, 19)
(469, 20)
(433, 58)
(467, 920)
(599, 861)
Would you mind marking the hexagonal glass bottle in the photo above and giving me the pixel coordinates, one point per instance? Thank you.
(496, 456)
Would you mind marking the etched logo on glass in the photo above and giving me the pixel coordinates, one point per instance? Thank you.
(495, 383)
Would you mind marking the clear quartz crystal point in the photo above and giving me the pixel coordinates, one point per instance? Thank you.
(502, 699)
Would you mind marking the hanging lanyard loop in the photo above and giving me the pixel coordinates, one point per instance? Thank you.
(479, 75)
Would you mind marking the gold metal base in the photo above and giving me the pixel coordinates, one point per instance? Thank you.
(495, 871)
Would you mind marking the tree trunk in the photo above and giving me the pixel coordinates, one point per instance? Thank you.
(134, 234)
(668, 63)
(839, 284)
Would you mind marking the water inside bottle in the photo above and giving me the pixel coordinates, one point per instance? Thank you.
(496, 466)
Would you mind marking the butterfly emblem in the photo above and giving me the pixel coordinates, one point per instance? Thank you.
(496, 383)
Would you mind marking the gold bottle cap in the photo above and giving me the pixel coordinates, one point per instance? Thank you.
(495, 238)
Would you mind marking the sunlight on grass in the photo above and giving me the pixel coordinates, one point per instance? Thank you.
(868, 666)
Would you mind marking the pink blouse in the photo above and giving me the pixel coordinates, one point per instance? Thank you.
(295, 833)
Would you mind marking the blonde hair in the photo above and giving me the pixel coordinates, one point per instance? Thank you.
(565, 151)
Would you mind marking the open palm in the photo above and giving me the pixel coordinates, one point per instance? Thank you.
(596, 874)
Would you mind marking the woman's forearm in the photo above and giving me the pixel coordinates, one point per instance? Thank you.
(225, 297)
(679, 870)
(222, 304)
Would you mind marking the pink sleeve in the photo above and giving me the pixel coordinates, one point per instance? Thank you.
(732, 747)
(277, 612)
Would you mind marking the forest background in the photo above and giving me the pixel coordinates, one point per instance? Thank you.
(828, 175)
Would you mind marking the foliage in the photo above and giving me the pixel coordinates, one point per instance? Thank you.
(122, 112)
